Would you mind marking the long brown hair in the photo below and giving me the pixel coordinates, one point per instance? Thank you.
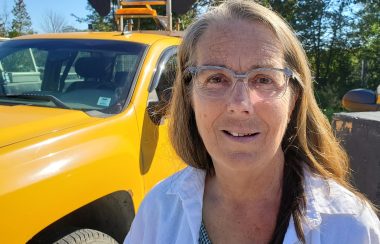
(308, 139)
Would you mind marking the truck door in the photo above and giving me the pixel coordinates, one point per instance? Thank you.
(158, 157)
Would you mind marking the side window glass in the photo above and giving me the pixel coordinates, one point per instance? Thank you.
(125, 68)
(20, 71)
(160, 94)
(21, 61)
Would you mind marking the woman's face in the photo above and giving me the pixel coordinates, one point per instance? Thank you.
(241, 130)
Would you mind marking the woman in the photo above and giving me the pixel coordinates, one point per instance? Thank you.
(264, 166)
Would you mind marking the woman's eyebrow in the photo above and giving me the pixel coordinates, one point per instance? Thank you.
(263, 64)
(268, 64)
(217, 65)
(255, 66)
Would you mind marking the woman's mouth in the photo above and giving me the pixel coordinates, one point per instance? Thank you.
(240, 136)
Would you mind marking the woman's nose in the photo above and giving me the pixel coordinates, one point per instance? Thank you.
(240, 99)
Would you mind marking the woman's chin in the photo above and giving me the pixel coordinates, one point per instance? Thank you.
(246, 161)
(241, 160)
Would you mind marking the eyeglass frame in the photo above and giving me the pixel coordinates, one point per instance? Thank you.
(289, 74)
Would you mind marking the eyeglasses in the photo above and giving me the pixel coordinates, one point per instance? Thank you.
(218, 82)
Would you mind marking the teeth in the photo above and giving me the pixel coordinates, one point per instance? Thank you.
(240, 134)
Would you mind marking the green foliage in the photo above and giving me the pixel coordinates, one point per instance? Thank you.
(98, 23)
(3, 31)
(368, 36)
(21, 22)
(186, 19)
(4, 21)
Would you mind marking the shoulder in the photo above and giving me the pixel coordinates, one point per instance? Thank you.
(169, 196)
(338, 212)
(329, 197)
(165, 206)
(187, 181)
(160, 193)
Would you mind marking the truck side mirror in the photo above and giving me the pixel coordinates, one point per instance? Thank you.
(359, 100)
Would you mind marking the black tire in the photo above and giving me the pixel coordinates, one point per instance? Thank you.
(86, 236)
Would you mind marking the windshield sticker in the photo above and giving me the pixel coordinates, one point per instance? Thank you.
(104, 101)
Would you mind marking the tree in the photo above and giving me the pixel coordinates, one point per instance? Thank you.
(2, 29)
(53, 22)
(368, 39)
(21, 22)
(4, 20)
(69, 28)
(325, 28)
(98, 22)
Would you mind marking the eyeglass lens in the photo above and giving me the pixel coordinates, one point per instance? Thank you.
(217, 82)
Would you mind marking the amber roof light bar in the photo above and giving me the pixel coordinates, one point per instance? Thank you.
(130, 9)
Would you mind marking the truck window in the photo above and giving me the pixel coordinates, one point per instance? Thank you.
(161, 87)
(80, 74)
(19, 69)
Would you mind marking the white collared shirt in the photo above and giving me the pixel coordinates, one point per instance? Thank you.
(172, 213)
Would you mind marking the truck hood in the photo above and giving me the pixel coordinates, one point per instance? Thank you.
(20, 123)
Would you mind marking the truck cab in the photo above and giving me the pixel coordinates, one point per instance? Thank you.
(83, 131)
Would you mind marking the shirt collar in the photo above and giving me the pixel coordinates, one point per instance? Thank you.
(322, 197)
(326, 196)
(188, 184)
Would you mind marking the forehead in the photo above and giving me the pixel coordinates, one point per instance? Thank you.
(239, 45)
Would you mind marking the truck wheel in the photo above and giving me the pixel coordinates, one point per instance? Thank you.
(86, 236)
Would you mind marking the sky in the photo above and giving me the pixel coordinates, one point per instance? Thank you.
(37, 9)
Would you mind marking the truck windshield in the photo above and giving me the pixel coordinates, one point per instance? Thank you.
(78, 74)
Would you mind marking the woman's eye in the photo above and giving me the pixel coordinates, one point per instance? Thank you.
(216, 79)
(264, 80)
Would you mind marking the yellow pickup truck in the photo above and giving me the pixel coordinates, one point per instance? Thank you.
(83, 136)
